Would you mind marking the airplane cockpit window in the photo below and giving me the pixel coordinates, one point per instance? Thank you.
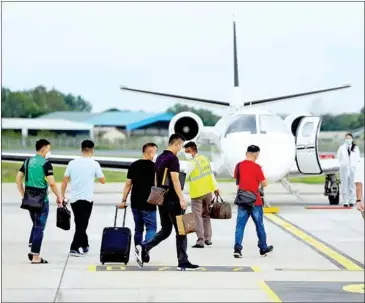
(272, 124)
(244, 123)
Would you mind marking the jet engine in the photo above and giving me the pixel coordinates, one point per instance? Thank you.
(187, 124)
(292, 121)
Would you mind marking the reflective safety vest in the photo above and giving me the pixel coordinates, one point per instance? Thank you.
(201, 178)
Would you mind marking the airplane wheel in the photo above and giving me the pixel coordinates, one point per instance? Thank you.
(334, 200)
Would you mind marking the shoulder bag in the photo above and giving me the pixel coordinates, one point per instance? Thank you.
(157, 194)
(33, 197)
(244, 197)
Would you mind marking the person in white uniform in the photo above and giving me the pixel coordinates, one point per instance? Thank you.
(359, 183)
(348, 155)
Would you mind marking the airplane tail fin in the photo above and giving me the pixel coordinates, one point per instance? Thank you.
(236, 100)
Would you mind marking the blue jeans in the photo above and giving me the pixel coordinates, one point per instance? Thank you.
(39, 219)
(257, 215)
(144, 218)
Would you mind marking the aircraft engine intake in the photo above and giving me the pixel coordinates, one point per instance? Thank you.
(187, 124)
(292, 121)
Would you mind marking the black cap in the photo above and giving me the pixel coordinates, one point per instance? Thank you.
(253, 149)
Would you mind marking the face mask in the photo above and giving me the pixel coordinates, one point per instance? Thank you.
(348, 141)
(154, 158)
(188, 156)
(48, 154)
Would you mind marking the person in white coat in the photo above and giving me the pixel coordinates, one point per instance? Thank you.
(348, 155)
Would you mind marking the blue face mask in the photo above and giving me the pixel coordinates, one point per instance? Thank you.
(348, 141)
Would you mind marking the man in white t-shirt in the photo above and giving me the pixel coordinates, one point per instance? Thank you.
(82, 172)
(359, 183)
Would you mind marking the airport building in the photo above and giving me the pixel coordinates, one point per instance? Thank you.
(110, 125)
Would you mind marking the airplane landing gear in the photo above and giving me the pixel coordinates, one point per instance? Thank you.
(332, 189)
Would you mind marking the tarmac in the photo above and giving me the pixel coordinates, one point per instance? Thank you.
(318, 256)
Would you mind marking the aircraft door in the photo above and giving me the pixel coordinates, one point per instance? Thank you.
(306, 139)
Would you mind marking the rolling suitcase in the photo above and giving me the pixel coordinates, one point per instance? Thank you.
(116, 242)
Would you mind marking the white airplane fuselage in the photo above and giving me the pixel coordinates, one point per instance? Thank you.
(239, 129)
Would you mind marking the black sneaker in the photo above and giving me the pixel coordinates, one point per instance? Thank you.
(187, 266)
(346, 205)
(146, 257)
(237, 254)
(269, 249)
(207, 242)
(351, 204)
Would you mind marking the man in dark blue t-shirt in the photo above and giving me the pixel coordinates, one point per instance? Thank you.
(173, 205)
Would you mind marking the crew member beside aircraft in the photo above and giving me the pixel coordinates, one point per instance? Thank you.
(201, 187)
(348, 155)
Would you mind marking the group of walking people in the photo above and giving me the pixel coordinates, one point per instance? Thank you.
(142, 175)
(149, 171)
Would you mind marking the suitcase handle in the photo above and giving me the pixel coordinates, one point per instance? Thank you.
(116, 214)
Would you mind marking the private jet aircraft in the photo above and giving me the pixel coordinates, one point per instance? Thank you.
(288, 147)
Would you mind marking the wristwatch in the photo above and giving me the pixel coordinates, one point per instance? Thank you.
(358, 201)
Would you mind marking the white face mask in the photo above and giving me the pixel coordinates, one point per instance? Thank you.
(188, 156)
(154, 158)
(348, 141)
(48, 155)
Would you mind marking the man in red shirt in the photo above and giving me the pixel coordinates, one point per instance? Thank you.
(250, 177)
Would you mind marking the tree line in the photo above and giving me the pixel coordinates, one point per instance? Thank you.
(39, 101)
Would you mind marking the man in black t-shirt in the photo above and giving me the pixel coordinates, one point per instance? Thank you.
(174, 205)
(140, 178)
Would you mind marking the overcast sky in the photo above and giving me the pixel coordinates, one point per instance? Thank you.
(91, 49)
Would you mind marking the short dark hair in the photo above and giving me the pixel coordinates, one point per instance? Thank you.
(192, 145)
(253, 149)
(175, 137)
(147, 145)
(41, 143)
(87, 145)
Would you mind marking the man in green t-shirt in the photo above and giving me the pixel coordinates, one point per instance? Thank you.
(40, 175)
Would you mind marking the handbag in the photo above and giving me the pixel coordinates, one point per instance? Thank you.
(220, 210)
(157, 194)
(63, 217)
(185, 223)
(33, 197)
(244, 197)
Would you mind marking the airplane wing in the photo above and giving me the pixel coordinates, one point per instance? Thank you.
(105, 162)
(221, 103)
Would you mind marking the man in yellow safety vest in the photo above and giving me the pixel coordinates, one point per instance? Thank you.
(202, 185)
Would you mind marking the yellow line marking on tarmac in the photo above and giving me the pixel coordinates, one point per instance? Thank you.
(348, 264)
(313, 269)
(237, 269)
(163, 268)
(356, 288)
(203, 268)
(271, 294)
(256, 268)
(92, 268)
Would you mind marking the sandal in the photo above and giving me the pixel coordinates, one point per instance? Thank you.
(41, 262)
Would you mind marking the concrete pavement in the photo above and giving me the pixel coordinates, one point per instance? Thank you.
(318, 256)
